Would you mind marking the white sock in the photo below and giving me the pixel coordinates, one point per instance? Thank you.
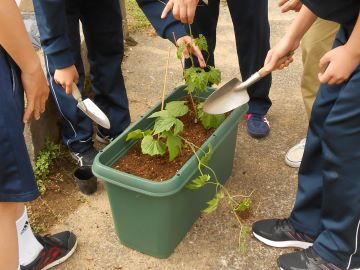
(29, 246)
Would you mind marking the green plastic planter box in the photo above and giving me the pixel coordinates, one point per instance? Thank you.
(153, 217)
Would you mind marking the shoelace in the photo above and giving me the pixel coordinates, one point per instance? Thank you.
(47, 241)
(80, 159)
(284, 223)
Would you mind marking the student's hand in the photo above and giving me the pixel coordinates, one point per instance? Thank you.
(341, 63)
(66, 77)
(280, 50)
(183, 10)
(191, 48)
(287, 5)
(36, 91)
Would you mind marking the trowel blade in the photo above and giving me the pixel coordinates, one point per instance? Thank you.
(226, 98)
(93, 112)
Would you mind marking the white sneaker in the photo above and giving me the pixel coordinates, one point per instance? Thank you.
(294, 156)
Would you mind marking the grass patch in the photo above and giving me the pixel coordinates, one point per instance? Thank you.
(135, 17)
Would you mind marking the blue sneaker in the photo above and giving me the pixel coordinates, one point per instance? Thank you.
(257, 125)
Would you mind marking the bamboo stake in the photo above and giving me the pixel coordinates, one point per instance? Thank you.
(165, 80)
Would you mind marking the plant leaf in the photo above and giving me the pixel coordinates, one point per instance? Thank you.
(206, 158)
(148, 132)
(202, 43)
(179, 127)
(196, 79)
(163, 113)
(174, 144)
(214, 203)
(180, 51)
(152, 147)
(214, 75)
(164, 124)
(135, 135)
(244, 205)
(198, 182)
(177, 108)
(209, 120)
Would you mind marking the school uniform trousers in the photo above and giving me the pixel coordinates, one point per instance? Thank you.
(102, 27)
(17, 181)
(327, 204)
(252, 34)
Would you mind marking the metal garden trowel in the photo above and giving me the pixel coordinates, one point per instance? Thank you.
(90, 109)
(234, 94)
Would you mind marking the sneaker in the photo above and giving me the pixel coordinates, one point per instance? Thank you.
(306, 259)
(105, 139)
(294, 156)
(257, 125)
(86, 158)
(57, 249)
(280, 233)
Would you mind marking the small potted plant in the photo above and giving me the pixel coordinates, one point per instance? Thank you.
(153, 214)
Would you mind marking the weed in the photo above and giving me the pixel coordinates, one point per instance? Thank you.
(43, 164)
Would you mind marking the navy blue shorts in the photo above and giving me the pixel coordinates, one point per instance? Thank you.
(17, 182)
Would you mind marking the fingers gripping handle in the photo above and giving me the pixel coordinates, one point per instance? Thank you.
(263, 72)
(76, 92)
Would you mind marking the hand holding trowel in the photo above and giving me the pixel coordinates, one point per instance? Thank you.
(90, 108)
(234, 94)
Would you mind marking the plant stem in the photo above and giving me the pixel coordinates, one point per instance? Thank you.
(181, 62)
(190, 51)
(194, 108)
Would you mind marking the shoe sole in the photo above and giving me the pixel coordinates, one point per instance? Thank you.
(257, 135)
(283, 244)
(62, 259)
(292, 164)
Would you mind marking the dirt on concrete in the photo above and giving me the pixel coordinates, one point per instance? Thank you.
(259, 167)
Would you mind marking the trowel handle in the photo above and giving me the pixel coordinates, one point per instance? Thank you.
(263, 72)
(76, 92)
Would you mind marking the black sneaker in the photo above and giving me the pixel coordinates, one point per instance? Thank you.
(57, 249)
(280, 233)
(306, 259)
(86, 158)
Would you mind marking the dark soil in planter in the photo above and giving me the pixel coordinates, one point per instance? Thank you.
(159, 168)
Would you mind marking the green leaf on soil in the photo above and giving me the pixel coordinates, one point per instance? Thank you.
(198, 182)
(135, 135)
(165, 124)
(214, 75)
(214, 203)
(174, 144)
(202, 43)
(244, 205)
(177, 108)
(179, 127)
(152, 147)
(209, 120)
(180, 51)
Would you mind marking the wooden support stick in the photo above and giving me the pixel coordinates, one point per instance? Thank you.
(165, 80)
